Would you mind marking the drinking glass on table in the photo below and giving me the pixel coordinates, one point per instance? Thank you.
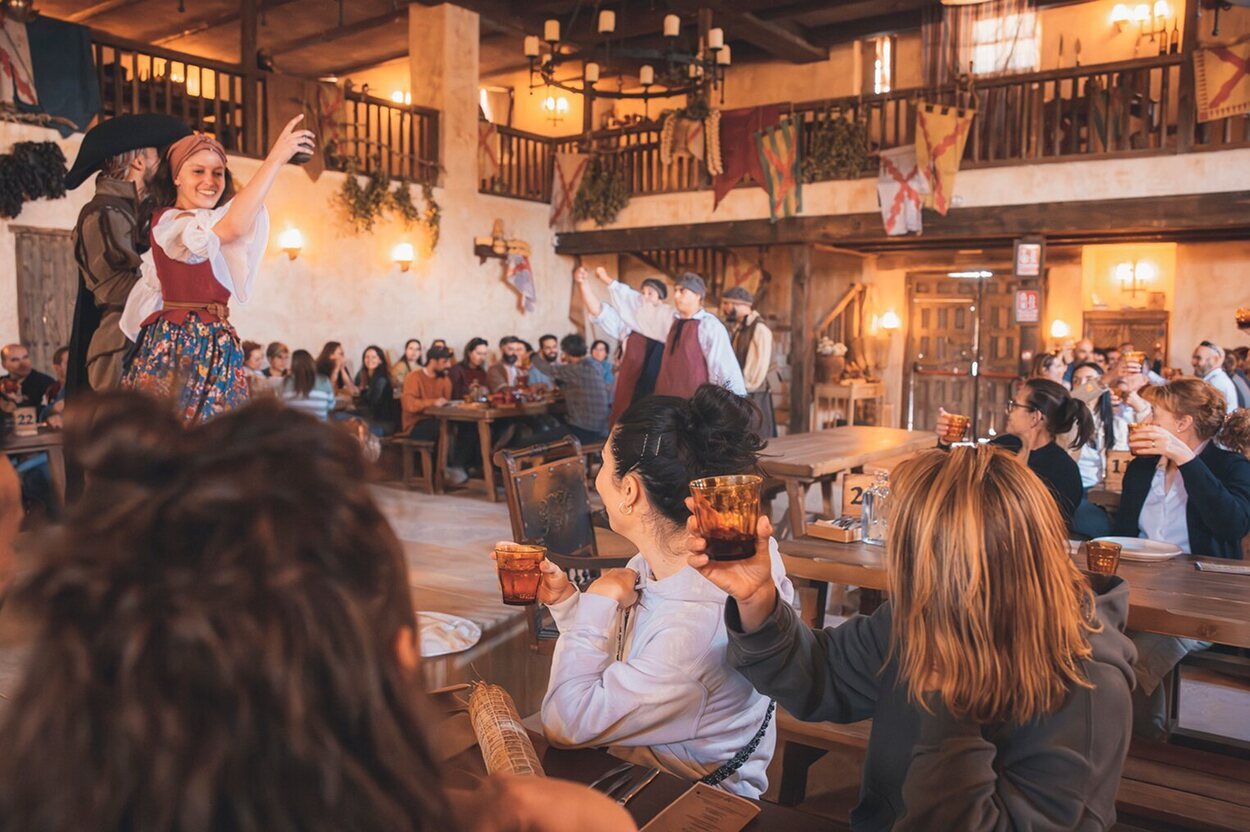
(519, 572)
(952, 427)
(1102, 556)
(727, 509)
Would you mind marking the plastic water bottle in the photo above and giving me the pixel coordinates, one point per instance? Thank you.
(876, 512)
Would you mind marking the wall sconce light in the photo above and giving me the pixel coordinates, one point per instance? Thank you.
(556, 107)
(403, 255)
(291, 241)
(1120, 16)
(890, 322)
(1133, 276)
(400, 97)
(1059, 329)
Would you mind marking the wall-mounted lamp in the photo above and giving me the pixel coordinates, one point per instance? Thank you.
(291, 241)
(1059, 329)
(403, 255)
(556, 107)
(401, 97)
(1133, 276)
(890, 322)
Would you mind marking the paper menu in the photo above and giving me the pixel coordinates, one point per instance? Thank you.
(704, 809)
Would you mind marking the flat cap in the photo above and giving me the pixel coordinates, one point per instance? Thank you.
(739, 294)
(691, 282)
(658, 285)
(119, 135)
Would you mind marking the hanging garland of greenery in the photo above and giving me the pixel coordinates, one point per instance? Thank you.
(431, 218)
(604, 192)
(366, 205)
(837, 150)
(30, 171)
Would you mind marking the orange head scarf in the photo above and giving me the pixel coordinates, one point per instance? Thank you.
(186, 147)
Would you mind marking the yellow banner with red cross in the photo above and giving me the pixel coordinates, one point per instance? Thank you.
(941, 133)
(1222, 80)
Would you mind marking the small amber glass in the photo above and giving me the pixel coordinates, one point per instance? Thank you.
(728, 509)
(1102, 556)
(1243, 318)
(1132, 429)
(519, 574)
(956, 428)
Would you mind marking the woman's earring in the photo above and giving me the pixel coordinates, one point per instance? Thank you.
(625, 508)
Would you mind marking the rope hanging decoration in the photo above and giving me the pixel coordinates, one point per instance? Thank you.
(506, 747)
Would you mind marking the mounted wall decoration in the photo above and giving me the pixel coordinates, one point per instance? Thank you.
(30, 171)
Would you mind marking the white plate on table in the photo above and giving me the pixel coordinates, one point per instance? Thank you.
(1143, 551)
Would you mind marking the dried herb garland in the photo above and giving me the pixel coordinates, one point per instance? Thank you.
(838, 149)
(30, 171)
(604, 192)
(366, 205)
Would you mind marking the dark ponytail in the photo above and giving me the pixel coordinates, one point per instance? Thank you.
(668, 442)
(1060, 410)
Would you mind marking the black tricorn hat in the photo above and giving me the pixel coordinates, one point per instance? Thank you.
(119, 135)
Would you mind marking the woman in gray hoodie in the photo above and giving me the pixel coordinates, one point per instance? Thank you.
(997, 680)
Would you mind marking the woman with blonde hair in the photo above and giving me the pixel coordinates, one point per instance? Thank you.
(996, 678)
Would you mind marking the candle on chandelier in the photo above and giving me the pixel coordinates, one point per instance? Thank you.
(646, 75)
(607, 21)
(715, 38)
(551, 31)
(672, 25)
(591, 73)
(722, 56)
(695, 71)
(531, 46)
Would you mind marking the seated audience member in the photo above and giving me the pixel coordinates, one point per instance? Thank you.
(1099, 359)
(332, 363)
(601, 354)
(1049, 365)
(239, 654)
(411, 360)
(658, 688)
(22, 384)
(376, 402)
(996, 680)
(279, 357)
(507, 373)
(1185, 489)
(587, 400)
(549, 350)
(427, 387)
(1243, 362)
(1232, 368)
(60, 367)
(471, 370)
(439, 342)
(1208, 363)
(1044, 411)
(253, 360)
(1110, 433)
(307, 390)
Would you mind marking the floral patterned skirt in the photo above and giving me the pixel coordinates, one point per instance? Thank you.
(197, 364)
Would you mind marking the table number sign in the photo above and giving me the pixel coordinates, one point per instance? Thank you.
(26, 421)
(1117, 464)
(853, 488)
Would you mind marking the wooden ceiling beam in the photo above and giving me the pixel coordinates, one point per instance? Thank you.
(844, 12)
(195, 27)
(499, 12)
(866, 27)
(773, 38)
(97, 9)
(365, 64)
(339, 32)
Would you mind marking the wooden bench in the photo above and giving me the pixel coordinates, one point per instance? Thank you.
(430, 477)
(801, 744)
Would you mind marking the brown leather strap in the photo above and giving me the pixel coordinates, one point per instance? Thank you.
(221, 310)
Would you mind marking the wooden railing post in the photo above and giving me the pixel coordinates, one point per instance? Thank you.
(1187, 117)
(802, 348)
(253, 111)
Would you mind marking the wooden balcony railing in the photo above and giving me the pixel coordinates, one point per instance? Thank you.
(525, 164)
(210, 96)
(1102, 111)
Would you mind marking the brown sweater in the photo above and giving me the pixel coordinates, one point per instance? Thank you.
(421, 391)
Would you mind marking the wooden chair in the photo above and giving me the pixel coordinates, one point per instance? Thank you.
(430, 477)
(549, 504)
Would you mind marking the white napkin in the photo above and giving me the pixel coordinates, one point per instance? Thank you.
(442, 633)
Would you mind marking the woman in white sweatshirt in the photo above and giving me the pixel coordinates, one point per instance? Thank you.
(640, 664)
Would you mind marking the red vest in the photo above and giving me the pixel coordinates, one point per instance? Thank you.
(685, 366)
(185, 283)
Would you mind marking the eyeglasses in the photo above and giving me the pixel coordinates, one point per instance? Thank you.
(1012, 404)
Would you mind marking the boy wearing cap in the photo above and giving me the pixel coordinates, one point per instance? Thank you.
(753, 346)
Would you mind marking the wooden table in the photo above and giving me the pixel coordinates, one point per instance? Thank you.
(847, 394)
(802, 459)
(484, 416)
(1172, 598)
(48, 441)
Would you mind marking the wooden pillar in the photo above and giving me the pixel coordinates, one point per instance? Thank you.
(1187, 115)
(705, 26)
(253, 105)
(801, 347)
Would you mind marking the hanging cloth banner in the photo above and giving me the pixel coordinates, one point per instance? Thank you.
(567, 173)
(680, 136)
(321, 105)
(17, 74)
(487, 152)
(739, 155)
(1221, 80)
(744, 272)
(941, 133)
(778, 149)
(520, 277)
(900, 190)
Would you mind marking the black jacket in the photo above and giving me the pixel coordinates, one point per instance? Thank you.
(1217, 511)
(929, 771)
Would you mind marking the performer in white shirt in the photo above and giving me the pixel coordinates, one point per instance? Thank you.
(696, 344)
(753, 347)
(640, 356)
(1208, 361)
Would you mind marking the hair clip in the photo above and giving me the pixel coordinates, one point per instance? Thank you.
(646, 441)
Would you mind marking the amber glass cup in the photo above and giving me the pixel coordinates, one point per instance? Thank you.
(1134, 357)
(519, 574)
(1243, 318)
(1132, 429)
(956, 428)
(1102, 556)
(727, 509)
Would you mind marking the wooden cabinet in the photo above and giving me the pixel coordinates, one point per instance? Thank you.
(1146, 329)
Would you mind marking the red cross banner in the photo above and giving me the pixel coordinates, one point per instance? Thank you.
(1221, 82)
(901, 189)
(487, 151)
(566, 176)
(779, 159)
(941, 133)
(744, 272)
(17, 77)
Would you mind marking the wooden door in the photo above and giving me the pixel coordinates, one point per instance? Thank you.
(1003, 345)
(47, 287)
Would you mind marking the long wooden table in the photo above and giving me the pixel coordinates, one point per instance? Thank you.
(49, 441)
(484, 416)
(1172, 598)
(804, 459)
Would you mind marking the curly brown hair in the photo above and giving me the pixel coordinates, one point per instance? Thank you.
(1204, 404)
(216, 631)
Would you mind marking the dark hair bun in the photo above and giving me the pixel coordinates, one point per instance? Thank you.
(722, 422)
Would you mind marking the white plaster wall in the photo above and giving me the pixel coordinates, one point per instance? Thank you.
(1212, 281)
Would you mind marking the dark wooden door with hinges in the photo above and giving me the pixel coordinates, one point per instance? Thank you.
(965, 350)
(47, 287)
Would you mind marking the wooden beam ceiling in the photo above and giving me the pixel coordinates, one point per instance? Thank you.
(339, 32)
(774, 38)
(866, 27)
(206, 23)
(1198, 216)
(97, 9)
(371, 62)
